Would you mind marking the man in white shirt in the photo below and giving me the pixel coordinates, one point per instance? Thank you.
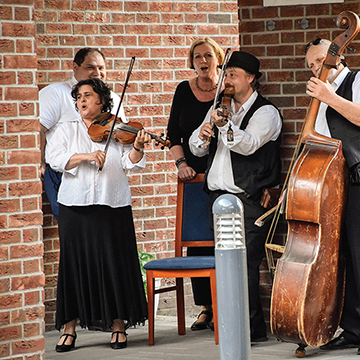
(57, 107)
(339, 118)
(244, 158)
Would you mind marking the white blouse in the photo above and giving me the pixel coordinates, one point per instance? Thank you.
(57, 106)
(84, 184)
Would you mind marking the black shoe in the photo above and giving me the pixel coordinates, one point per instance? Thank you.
(117, 344)
(63, 347)
(200, 325)
(211, 325)
(339, 343)
(259, 339)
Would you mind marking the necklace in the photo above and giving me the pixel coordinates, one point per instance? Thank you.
(204, 90)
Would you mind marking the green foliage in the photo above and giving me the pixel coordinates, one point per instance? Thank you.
(143, 259)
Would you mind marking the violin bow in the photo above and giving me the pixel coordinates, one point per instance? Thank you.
(218, 88)
(132, 61)
(221, 77)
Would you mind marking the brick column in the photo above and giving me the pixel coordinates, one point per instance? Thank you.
(21, 248)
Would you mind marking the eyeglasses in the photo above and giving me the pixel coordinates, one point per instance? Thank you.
(314, 42)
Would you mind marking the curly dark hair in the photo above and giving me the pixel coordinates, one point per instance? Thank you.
(100, 88)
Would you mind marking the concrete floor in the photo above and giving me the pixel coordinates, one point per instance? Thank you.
(91, 345)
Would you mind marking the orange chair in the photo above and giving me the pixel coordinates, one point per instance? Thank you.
(192, 229)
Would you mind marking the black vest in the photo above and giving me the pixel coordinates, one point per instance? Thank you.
(257, 171)
(342, 129)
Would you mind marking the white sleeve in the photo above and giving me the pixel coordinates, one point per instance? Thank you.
(58, 153)
(127, 164)
(356, 89)
(264, 126)
(50, 107)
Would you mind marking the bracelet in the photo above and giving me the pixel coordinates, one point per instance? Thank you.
(180, 161)
(139, 150)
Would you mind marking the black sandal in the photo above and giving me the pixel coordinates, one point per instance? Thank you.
(201, 325)
(117, 344)
(63, 347)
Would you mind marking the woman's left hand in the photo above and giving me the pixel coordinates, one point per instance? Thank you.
(141, 138)
(186, 172)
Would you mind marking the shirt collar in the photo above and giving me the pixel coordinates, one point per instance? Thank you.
(73, 81)
(248, 103)
(340, 78)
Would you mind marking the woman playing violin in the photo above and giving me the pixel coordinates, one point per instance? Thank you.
(99, 280)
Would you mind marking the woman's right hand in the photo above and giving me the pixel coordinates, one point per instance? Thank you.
(186, 172)
(98, 156)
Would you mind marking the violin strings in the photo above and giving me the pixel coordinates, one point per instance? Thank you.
(132, 130)
(276, 217)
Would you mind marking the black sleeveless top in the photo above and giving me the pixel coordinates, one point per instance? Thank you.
(342, 129)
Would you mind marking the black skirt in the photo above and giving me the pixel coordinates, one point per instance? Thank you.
(99, 274)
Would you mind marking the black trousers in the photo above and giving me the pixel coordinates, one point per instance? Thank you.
(350, 320)
(255, 238)
(201, 286)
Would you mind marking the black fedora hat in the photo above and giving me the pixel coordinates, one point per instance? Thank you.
(245, 61)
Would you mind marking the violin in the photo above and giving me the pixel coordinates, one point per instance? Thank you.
(104, 125)
(224, 109)
(218, 89)
(100, 129)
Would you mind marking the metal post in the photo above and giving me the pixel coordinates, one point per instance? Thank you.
(231, 278)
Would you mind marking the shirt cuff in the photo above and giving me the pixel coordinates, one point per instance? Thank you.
(224, 129)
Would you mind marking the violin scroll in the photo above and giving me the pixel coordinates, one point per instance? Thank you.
(164, 142)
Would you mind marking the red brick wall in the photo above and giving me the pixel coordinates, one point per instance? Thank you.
(21, 246)
(159, 35)
(281, 54)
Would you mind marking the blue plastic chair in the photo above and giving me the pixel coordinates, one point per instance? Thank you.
(192, 229)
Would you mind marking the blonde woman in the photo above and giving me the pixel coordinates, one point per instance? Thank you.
(191, 102)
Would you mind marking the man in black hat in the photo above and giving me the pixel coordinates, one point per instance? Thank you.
(244, 158)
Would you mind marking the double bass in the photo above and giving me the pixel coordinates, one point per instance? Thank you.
(308, 289)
